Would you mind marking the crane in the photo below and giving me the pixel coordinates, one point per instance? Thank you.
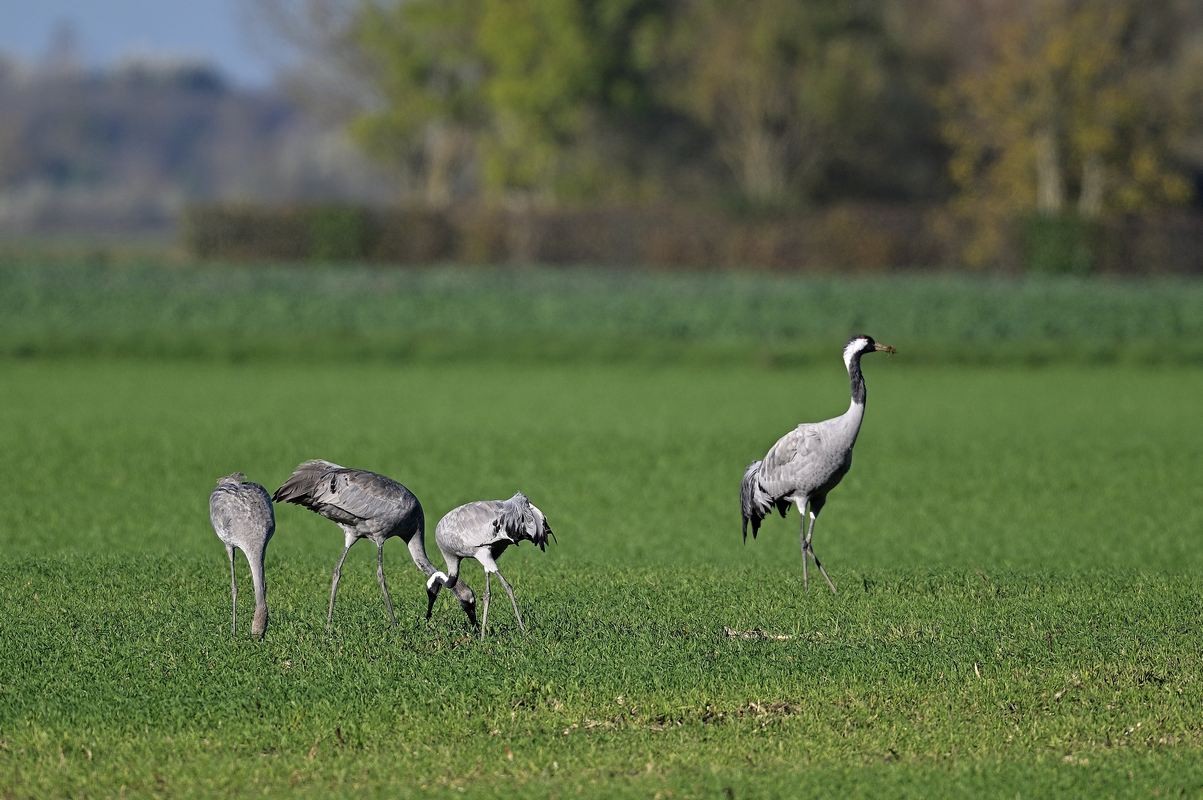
(366, 505)
(483, 530)
(243, 519)
(808, 462)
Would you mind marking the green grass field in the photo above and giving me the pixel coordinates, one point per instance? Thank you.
(1017, 550)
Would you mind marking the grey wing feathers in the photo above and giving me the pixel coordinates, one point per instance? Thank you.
(784, 471)
(518, 519)
(341, 494)
(465, 528)
(791, 464)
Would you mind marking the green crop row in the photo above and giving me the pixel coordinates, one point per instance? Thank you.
(345, 312)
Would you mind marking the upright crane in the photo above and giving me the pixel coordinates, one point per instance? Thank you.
(808, 462)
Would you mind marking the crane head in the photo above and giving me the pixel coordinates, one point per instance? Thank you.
(861, 343)
(259, 623)
(433, 586)
(467, 599)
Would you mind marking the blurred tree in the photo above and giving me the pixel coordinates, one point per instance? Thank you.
(511, 97)
(568, 80)
(1070, 111)
(774, 102)
(315, 45)
(430, 80)
(796, 95)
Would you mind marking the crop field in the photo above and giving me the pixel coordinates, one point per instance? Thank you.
(1017, 547)
(344, 312)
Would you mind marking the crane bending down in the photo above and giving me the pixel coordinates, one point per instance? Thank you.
(807, 463)
(366, 506)
(243, 519)
(483, 530)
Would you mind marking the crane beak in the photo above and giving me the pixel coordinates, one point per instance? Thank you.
(884, 348)
(431, 596)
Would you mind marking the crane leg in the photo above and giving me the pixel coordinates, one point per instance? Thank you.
(509, 590)
(804, 542)
(233, 593)
(388, 601)
(808, 547)
(484, 619)
(338, 573)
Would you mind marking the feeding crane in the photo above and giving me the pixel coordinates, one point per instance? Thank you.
(243, 518)
(365, 505)
(808, 462)
(483, 530)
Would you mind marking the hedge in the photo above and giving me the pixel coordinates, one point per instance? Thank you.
(858, 237)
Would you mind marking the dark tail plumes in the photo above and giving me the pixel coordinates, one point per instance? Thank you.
(303, 483)
(519, 519)
(543, 532)
(754, 502)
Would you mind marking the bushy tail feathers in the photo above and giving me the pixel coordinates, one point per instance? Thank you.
(755, 503)
(521, 519)
(303, 482)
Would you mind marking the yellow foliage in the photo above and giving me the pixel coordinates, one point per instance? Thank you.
(1060, 117)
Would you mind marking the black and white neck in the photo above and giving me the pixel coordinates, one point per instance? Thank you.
(852, 353)
(417, 552)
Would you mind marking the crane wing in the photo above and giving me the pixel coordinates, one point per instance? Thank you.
(361, 493)
(341, 494)
(470, 526)
(788, 464)
(788, 468)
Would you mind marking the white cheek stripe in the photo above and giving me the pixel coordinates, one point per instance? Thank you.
(852, 349)
(436, 576)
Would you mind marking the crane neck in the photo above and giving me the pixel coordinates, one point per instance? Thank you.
(255, 561)
(852, 418)
(859, 394)
(417, 551)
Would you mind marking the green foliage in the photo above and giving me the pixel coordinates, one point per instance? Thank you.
(426, 51)
(429, 78)
(1039, 106)
(1010, 620)
(581, 315)
(517, 94)
(560, 71)
(569, 100)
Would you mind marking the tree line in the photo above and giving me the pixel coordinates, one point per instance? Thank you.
(989, 110)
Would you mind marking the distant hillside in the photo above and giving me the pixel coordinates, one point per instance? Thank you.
(121, 151)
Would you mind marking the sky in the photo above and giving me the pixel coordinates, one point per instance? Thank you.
(106, 30)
